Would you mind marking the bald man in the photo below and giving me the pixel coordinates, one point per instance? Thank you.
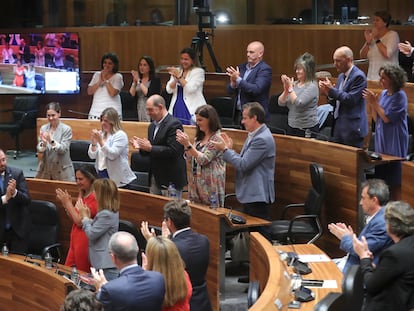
(350, 115)
(250, 81)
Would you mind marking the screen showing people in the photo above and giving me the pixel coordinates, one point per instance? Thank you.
(39, 63)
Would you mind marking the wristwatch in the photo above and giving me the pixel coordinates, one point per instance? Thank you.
(189, 147)
(378, 41)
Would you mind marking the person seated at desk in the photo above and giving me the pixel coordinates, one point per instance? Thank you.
(135, 289)
(374, 196)
(161, 254)
(109, 146)
(194, 249)
(81, 300)
(390, 284)
(208, 167)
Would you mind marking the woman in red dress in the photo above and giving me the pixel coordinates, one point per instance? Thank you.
(78, 248)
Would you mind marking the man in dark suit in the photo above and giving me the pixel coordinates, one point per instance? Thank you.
(350, 115)
(194, 249)
(14, 207)
(167, 164)
(135, 289)
(251, 81)
(374, 196)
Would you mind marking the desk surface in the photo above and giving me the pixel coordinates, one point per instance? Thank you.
(269, 270)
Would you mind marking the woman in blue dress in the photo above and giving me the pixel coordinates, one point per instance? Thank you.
(389, 111)
(186, 86)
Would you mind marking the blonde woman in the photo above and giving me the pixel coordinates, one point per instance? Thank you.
(100, 229)
(162, 255)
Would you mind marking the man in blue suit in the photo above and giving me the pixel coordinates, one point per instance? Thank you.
(251, 81)
(194, 249)
(374, 196)
(14, 207)
(350, 115)
(255, 165)
(135, 289)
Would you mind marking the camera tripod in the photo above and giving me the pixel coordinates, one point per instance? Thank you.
(197, 44)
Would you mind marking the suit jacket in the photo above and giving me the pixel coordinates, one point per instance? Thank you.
(376, 234)
(167, 163)
(99, 231)
(116, 158)
(351, 126)
(18, 207)
(255, 168)
(56, 163)
(256, 87)
(134, 290)
(194, 249)
(192, 92)
(390, 286)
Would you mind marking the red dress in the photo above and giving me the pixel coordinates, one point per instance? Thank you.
(183, 305)
(78, 249)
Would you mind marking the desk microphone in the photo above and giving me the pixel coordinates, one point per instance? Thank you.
(236, 219)
(317, 135)
(82, 113)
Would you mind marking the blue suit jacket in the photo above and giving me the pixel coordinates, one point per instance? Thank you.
(255, 168)
(134, 290)
(17, 207)
(194, 249)
(256, 87)
(376, 234)
(351, 126)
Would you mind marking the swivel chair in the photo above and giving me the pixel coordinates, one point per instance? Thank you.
(225, 110)
(24, 114)
(305, 226)
(127, 226)
(44, 229)
(79, 153)
(331, 302)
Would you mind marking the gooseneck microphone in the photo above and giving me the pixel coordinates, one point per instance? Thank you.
(236, 219)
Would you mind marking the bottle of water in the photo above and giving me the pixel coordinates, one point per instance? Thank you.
(213, 201)
(48, 261)
(172, 192)
(308, 133)
(74, 276)
(5, 250)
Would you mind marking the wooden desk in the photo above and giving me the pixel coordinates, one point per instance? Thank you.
(138, 206)
(268, 269)
(407, 185)
(25, 286)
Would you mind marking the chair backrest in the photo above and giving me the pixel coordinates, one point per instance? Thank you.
(44, 228)
(140, 163)
(78, 150)
(224, 106)
(25, 110)
(353, 288)
(278, 118)
(331, 302)
(316, 194)
(141, 183)
(129, 106)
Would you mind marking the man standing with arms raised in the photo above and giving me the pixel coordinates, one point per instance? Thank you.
(251, 81)
(350, 115)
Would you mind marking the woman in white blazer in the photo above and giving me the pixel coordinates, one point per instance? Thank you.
(186, 87)
(109, 148)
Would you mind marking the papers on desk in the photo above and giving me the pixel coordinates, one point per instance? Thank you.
(325, 284)
(314, 258)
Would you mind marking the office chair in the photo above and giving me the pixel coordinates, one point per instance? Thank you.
(141, 183)
(278, 119)
(44, 229)
(353, 288)
(331, 302)
(129, 106)
(225, 109)
(127, 226)
(305, 226)
(253, 293)
(79, 153)
(24, 114)
(139, 162)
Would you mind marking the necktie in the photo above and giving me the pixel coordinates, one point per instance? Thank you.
(338, 103)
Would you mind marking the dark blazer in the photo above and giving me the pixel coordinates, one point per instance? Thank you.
(167, 163)
(134, 290)
(391, 285)
(256, 87)
(351, 126)
(194, 249)
(17, 207)
(154, 87)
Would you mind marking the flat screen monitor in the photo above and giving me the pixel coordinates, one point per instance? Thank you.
(39, 63)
